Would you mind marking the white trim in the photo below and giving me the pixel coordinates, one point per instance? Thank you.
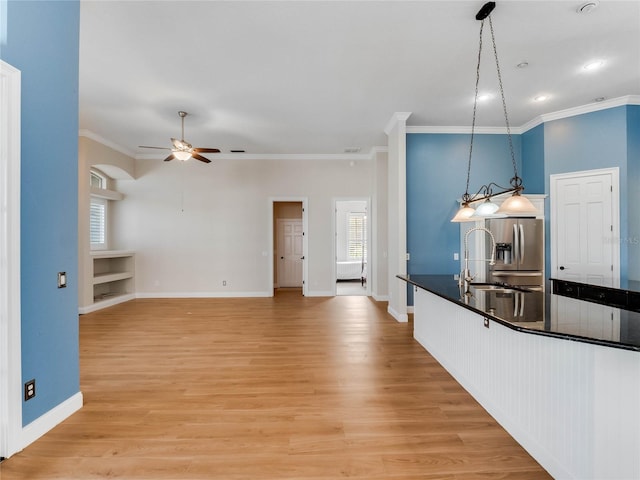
(107, 143)
(396, 118)
(10, 320)
(319, 293)
(546, 117)
(305, 241)
(380, 298)
(203, 294)
(615, 213)
(400, 317)
(464, 130)
(49, 420)
(271, 156)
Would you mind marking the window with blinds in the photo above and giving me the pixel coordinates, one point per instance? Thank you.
(357, 234)
(97, 222)
(98, 208)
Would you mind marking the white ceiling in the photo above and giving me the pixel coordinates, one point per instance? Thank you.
(312, 77)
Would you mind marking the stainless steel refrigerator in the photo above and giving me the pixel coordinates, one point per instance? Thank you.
(519, 251)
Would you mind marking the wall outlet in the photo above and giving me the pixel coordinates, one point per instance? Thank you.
(456, 256)
(62, 279)
(29, 389)
(224, 283)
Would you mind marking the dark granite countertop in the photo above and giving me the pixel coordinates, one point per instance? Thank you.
(529, 312)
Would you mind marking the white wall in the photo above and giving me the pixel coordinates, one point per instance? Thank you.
(397, 215)
(194, 225)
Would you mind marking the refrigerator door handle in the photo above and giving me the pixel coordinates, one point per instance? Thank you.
(516, 298)
(521, 304)
(521, 243)
(516, 242)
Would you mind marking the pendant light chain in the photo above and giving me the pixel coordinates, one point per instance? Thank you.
(516, 181)
(466, 198)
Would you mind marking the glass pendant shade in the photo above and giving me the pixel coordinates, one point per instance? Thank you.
(486, 208)
(517, 205)
(464, 214)
(182, 155)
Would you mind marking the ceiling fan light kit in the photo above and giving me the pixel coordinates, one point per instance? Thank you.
(183, 150)
(516, 204)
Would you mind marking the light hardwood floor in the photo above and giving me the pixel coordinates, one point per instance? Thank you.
(274, 388)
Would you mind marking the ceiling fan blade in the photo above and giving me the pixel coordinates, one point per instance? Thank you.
(170, 157)
(159, 148)
(200, 157)
(206, 150)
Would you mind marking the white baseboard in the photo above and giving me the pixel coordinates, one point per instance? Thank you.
(319, 293)
(380, 298)
(202, 294)
(53, 417)
(400, 317)
(409, 308)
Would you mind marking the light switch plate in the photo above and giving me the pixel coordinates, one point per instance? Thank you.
(62, 279)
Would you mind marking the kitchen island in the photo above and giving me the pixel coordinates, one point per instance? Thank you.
(561, 375)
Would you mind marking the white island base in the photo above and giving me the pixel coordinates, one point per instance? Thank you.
(575, 407)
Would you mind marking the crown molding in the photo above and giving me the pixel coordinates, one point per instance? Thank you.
(465, 130)
(547, 117)
(273, 156)
(396, 118)
(107, 143)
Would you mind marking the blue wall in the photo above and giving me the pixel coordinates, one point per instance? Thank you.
(585, 142)
(633, 187)
(533, 160)
(436, 177)
(436, 169)
(43, 43)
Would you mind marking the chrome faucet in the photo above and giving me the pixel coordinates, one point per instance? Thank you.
(465, 276)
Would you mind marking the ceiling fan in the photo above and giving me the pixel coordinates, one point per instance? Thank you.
(183, 150)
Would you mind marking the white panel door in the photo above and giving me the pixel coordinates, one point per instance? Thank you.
(584, 222)
(290, 253)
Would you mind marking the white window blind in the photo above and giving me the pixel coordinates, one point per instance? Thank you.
(357, 234)
(97, 222)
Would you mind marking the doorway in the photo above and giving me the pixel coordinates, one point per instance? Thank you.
(352, 233)
(585, 226)
(10, 352)
(289, 245)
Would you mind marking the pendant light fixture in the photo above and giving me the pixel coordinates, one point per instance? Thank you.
(516, 204)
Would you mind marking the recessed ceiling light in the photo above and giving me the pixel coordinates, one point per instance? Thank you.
(541, 98)
(484, 97)
(523, 65)
(588, 7)
(594, 65)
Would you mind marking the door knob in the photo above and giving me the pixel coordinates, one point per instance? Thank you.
(561, 268)
(281, 258)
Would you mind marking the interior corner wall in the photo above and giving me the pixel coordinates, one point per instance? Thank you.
(193, 225)
(43, 43)
(436, 177)
(397, 219)
(633, 187)
(379, 272)
(585, 142)
(532, 170)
